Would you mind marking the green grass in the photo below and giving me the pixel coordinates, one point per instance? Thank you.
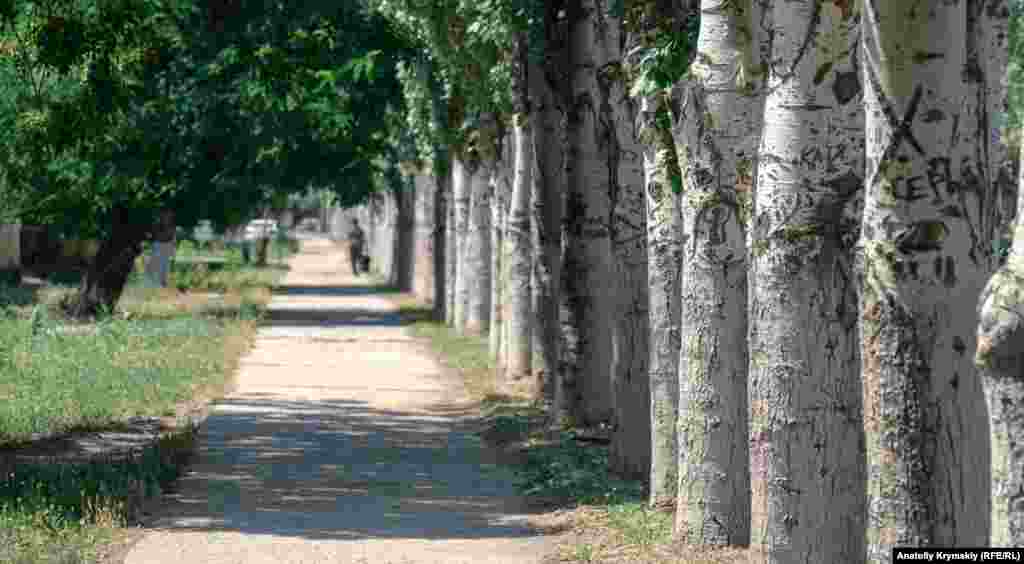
(162, 348)
(58, 377)
(66, 513)
(220, 268)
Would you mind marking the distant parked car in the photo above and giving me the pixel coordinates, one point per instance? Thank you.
(310, 224)
(204, 232)
(261, 229)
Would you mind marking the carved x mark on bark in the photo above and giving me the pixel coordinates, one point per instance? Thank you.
(902, 128)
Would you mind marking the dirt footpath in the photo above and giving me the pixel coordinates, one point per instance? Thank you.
(343, 442)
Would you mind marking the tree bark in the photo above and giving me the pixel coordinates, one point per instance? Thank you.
(478, 255)
(158, 265)
(451, 247)
(423, 252)
(500, 188)
(929, 223)
(108, 272)
(548, 83)
(804, 348)
(439, 238)
(664, 255)
(10, 254)
(716, 134)
(587, 260)
(519, 315)
(630, 452)
(462, 184)
(1000, 359)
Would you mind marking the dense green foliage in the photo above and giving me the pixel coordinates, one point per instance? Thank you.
(213, 110)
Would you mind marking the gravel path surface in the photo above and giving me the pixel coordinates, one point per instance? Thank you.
(343, 442)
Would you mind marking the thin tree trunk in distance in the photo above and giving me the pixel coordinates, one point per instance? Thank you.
(478, 254)
(804, 350)
(498, 187)
(716, 135)
(929, 223)
(463, 170)
(451, 247)
(440, 242)
(10, 253)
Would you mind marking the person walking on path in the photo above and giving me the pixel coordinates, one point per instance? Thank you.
(356, 243)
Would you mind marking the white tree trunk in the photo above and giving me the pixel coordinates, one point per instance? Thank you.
(462, 186)
(928, 229)
(423, 253)
(500, 188)
(519, 315)
(1000, 357)
(478, 254)
(450, 247)
(716, 136)
(664, 226)
(804, 351)
(587, 262)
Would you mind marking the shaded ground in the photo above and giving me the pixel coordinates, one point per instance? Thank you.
(343, 441)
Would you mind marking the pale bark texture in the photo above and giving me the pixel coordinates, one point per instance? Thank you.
(662, 228)
(423, 247)
(463, 170)
(929, 223)
(477, 259)
(587, 268)
(716, 135)
(450, 246)
(519, 315)
(664, 255)
(501, 187)
(1000, 358)
(805, 350)
(988, 54)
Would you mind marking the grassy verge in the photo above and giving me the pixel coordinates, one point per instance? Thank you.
(603, 519)
(163, 352)
(220, 268)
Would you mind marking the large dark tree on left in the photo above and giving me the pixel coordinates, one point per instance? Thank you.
(117, 110)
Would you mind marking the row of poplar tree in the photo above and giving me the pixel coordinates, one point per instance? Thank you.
(759, 241)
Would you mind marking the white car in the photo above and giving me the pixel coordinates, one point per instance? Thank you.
(260, 229)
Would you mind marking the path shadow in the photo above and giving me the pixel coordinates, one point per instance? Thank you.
(338, 469)
(334, 291)
(328, 318)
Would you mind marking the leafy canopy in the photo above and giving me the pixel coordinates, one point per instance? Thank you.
(213, 109)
